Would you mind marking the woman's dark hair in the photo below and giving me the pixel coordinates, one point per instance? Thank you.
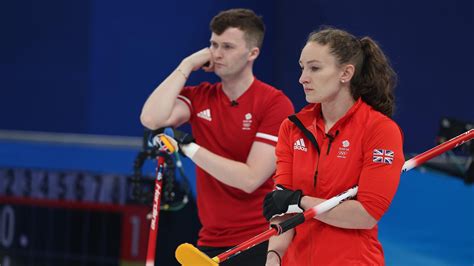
(374, 79)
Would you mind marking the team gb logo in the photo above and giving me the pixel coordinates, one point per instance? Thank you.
(247, 122)
(345, 143)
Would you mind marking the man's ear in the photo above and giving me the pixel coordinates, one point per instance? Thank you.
(253, 54)
(347, 73)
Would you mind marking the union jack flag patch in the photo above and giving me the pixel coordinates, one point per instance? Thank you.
(383, 156)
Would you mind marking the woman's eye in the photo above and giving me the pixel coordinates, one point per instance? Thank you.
(314, 68)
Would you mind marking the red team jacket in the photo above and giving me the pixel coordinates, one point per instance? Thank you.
(229, 215)
(363, 148)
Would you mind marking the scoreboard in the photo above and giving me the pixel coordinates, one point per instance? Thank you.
(69, 218)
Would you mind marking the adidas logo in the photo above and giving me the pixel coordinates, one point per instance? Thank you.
(299, 145)
(206, 114)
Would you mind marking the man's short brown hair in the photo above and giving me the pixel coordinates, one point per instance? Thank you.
(244, 19)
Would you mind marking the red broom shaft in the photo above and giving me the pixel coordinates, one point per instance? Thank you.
(150, 256)
(248, 244)
(443, 147)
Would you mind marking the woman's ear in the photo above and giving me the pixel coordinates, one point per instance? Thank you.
(347, 73)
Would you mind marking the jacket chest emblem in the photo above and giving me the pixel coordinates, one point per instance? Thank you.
(343, 150)
(247, 122)
(300, 145)
(205, 114)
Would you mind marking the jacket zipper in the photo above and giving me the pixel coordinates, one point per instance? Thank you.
(331, 139)
(316, 172)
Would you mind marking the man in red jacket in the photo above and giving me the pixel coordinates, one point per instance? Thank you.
(235, 123)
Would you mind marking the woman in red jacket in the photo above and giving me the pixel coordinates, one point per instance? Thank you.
(343, 138)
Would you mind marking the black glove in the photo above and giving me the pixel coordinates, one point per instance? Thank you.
(180, 136)
(183, 137)
(281, 201)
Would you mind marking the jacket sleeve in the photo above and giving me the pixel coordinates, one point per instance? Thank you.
(383, 160)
